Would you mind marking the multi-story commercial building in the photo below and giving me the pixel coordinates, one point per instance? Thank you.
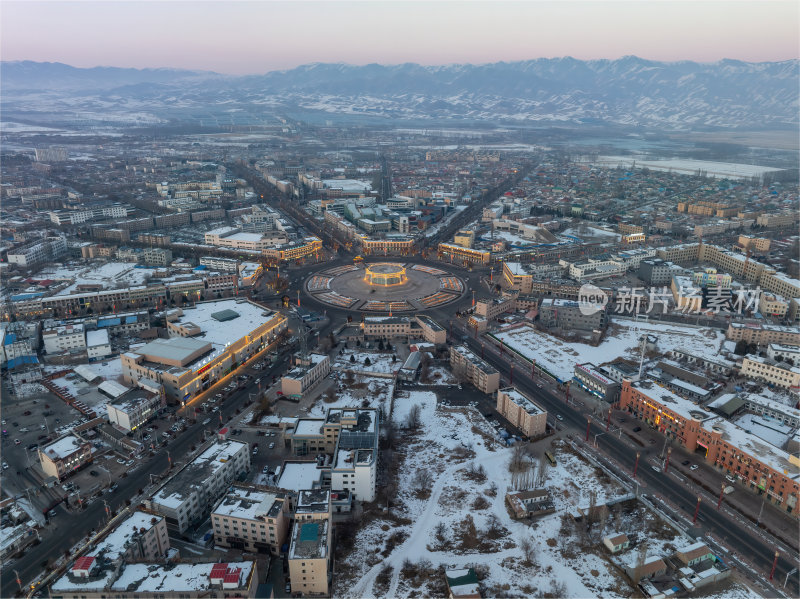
(18, 343)
(420, 326)
(206, 342)
(308, 372)
(136, 407)
(522, 412)
(294, 251)
(36, 253)
(309, 557)
(477, 371)
(770, 371)
(395, 245)
(763, 334)
(567, 314)
(64, 456)
(596, 381)
(64, 338)
(763, 468)
(679, 254)
(234, 238)
(456, 253)
(762, 406)
(252, 520)
(633, 258)
(193, 492)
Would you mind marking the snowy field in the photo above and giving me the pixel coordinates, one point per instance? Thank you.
(727, 170)
(458, 518)
(590, 232)
(379, 362)
(110, 274)
(370, 392)
(454, 446)
(622, 339)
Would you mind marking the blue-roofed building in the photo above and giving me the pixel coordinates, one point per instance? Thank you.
(19, 342)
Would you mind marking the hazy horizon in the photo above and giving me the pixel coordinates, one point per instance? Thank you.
(239, 38)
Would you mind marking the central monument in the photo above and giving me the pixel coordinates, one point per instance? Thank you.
(385, 274)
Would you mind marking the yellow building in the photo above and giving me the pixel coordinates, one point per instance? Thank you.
(464, 238)
(774, 373)
(309, 557)
(464, 255)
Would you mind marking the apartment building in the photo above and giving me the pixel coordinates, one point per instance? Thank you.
(655, 271)
(464, 238)
(308, 372)
(784, 219)
(763, 334)
(76, 217)
(517, 277)
(775, 373)
(251, 520)
(759, 466)
(36, 253)
(780, 284)
(773, 305)
(590, 269)
(688, 297)
(294, 251)
(220, 264)
(478, 372)
(157, 256)
(309, 557)
(566, 314)
(709, 277)
(759, 244)
(193, 492)
(64, 456)
(522, 412)
(679, 254)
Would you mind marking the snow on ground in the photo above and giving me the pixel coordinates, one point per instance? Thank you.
(405, 400)
(24, 390)
(449, 442)
(622, 339)
(371, 392)
(587, 231)
(439, 376)
(728, 170)
(379, 362)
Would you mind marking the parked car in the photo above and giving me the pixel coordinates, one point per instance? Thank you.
(26, 413)
(693, 467)
(559, 416)
(5, 466)
(255, 450)
(636, 429)
(120, 461)
(272, 445)
(685, 462)
(730, 478)
(94, 473)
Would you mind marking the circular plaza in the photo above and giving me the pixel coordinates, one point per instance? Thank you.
(385, 287)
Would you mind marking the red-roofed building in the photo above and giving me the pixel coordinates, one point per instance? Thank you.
(218, 573)
(232, 579)
(83, 566)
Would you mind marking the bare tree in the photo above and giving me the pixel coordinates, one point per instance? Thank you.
(528, 550)
(414, 418)
(641, 558)
(422, 480)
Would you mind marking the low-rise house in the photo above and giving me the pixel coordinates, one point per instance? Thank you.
(616, 542)
(462, 583)
(529, 504)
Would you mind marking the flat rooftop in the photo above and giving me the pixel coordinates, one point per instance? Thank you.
(298, 476)
(63, 447)
(250, 504)
(522, 401)
(194, 475)
(309, 540)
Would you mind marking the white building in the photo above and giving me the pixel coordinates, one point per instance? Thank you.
(76, 217)
(308, 373)
(195, 489)
(134, 408)
(38, 252)
(97, 344)
(64, 338)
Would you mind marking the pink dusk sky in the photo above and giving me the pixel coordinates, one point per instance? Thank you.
(256, 37)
